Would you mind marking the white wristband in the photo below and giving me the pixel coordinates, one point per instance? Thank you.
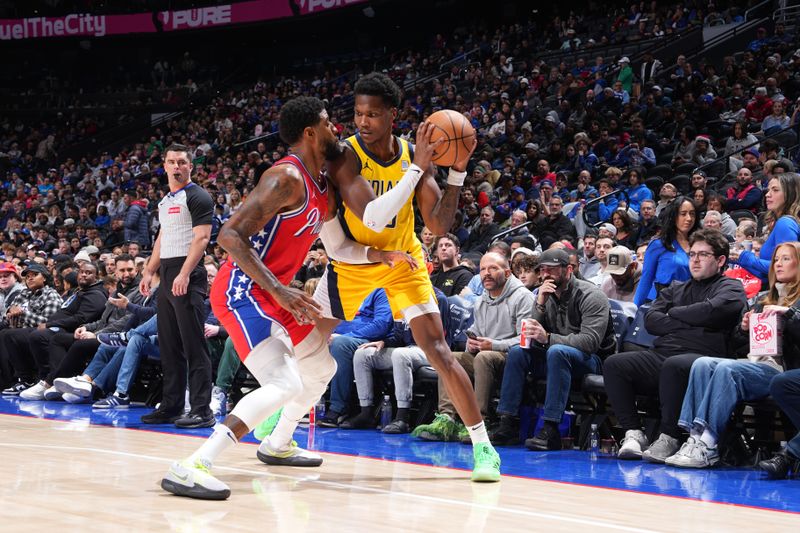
(456, 178)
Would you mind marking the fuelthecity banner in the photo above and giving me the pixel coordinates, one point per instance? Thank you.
(89, 25)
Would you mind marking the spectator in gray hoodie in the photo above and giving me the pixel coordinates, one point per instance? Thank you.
(498, 317)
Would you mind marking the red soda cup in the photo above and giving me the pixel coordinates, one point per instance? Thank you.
(525, 342)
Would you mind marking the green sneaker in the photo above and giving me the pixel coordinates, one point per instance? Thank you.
(443, 428)
(463, 434)
(487, 463)
(264, 429)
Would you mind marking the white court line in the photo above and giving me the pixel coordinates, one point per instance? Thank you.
(435, 499)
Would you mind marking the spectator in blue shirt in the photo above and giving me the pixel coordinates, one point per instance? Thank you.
(783, 212)
(637, 191)
(666, 259)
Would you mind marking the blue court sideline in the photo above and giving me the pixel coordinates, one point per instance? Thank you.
(737, 486)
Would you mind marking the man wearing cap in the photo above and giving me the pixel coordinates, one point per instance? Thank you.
(703, 152)
(33, 306)
(698, 180)
(625, 76)
(9, 285)
(570, 337)
(751, 160)
(624, 274)
(743, 195)
(82, 306)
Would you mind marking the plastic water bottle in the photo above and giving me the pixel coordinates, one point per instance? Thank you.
(594, 441)
(319, 409)
(386, 412)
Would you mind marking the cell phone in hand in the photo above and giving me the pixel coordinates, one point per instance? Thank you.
(471, 335)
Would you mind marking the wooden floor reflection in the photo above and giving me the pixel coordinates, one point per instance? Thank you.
(73, 476)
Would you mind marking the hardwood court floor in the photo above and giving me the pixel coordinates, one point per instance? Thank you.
(72, 475)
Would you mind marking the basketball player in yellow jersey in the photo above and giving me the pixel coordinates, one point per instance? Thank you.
(383, 159)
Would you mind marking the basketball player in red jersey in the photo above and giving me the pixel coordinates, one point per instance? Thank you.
(272, 324)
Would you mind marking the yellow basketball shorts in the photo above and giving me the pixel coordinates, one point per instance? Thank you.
(344, 287)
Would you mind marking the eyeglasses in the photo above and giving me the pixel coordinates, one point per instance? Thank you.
(700, 255)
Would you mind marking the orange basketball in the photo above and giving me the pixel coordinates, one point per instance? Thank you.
(457, 132)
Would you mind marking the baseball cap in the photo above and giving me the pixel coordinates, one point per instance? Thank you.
(699, 172)
(522, 250)
(624, 59)
(556, 257)
(618, 259)
(608, 227)
(91, 250)
(83, 256)
(545, 183)
(517, 190)
(531, 146)
(5, 266)
(36, 267)
(702, 138)
(753, 151)
(69, 221)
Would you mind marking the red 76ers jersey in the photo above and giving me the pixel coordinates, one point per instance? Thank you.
(285, 240)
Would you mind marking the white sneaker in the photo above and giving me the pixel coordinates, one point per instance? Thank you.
(193, 480)
(35, 393)
(77, 386)
(664, 446)
(632, 445)
(292, 455)
(694, 454)
(52, 395)
(219, 401)
(73, 398)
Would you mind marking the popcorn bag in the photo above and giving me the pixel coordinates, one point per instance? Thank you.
(766, 335)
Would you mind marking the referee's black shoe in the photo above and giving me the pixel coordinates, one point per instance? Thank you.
(161, 416)
(196, 420)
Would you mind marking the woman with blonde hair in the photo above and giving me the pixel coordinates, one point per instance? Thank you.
(716, 384)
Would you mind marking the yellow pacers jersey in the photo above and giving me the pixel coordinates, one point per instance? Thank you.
(382, 176)
(347, 285)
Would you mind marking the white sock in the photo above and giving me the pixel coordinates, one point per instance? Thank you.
(215, 445)
(478, 433)
(281, 436)
(709, 438)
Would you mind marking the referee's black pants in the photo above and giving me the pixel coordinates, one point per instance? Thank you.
(182, 341)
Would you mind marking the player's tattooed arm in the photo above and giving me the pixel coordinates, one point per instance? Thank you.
(438, 208)
(280, 189)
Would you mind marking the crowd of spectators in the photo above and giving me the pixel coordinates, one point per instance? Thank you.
(578, 199)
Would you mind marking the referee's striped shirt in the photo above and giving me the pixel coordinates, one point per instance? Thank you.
(178, 213)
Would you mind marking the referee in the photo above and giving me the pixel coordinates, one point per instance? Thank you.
(185, 216)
